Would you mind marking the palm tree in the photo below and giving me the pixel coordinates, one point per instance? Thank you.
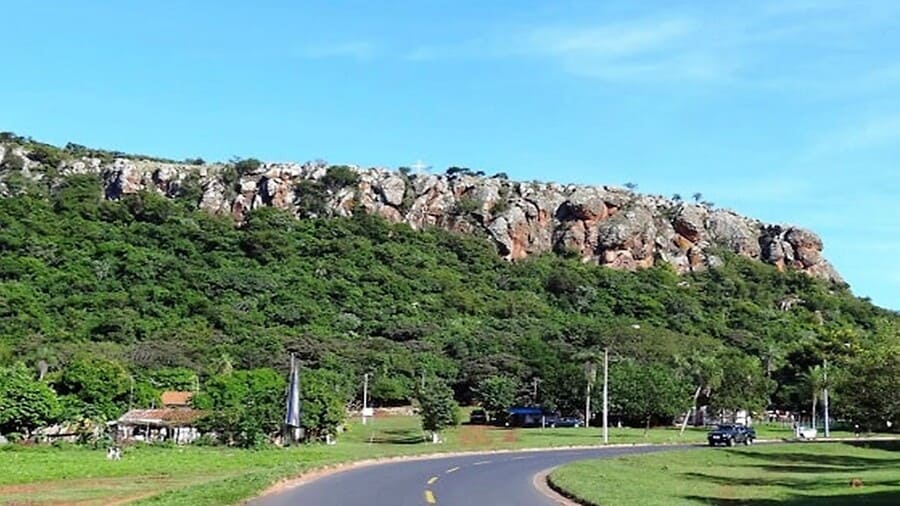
(590, 359)
(676, 197)
(631, 186)
(814, 379)
(697, 196)
(704, 372)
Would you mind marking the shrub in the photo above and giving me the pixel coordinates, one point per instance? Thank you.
(466, 205)
(339, 176)
(246, 166)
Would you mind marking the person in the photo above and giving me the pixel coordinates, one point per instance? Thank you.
(114, 453)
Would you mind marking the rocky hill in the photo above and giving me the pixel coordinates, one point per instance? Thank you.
(607, 225)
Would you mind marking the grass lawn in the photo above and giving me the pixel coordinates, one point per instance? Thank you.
(215, 476)
(763, 475)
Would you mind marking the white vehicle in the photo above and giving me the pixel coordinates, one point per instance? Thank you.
(806, 432)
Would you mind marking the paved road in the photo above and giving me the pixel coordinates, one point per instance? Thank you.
(471, 480)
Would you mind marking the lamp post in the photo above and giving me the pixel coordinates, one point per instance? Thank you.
(825, 396)
(365, 396)
(590, 370)
(605, 395)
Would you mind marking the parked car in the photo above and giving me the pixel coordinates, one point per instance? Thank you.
(730, 435)
(478, 417)
(806, 432)
(563, 421)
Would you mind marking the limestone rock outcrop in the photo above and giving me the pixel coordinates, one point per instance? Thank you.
(606, 225)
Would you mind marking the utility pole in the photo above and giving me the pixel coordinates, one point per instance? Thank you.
(365, 396)
(605, 395)
(590, 373)
(587, 407)
(825, 397)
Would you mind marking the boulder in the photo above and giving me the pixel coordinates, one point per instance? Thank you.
(392, 189)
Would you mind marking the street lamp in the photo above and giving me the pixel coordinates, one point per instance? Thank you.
(605, 395)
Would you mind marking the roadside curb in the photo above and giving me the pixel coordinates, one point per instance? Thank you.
(555, 492)
(545, 485)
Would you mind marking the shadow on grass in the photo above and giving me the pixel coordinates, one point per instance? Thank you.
(884, 498)
(797, 470)
(822, 462)
(890, 446)
(805, 484)
(398, 437)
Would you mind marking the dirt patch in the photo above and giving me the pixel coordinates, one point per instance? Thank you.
(725, 492)
(474, 436)
(18, 489)
(115, 491)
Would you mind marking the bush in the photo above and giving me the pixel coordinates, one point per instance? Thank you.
(466, 205)
(339, 176)
(12, 161)
(246, 166)
(49, 156)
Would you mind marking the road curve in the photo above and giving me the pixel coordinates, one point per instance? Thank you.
(469, 480)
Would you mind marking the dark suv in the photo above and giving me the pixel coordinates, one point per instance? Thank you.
(478, 417)
(730, 435)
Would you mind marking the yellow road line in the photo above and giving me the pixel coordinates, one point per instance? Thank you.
(432, 480)
(429, 497)
(452, 469)
(481, 463)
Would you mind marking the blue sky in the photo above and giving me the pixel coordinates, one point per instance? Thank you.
(786, 111)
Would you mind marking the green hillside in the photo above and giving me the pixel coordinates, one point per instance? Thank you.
(159, 291)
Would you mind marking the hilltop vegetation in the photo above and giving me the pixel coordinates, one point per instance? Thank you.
(147, 290)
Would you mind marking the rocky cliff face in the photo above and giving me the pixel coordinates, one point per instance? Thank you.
(607, 225)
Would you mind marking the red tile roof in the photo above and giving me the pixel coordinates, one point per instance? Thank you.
(175, 398)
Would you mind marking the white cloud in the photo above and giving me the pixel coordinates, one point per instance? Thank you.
(866, 134)
(662, 50)
(793, 47)
(610, 41)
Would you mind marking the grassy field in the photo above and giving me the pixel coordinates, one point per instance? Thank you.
(765, 475)
(214, 476)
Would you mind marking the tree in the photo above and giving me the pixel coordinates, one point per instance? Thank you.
(814, 382)
(631, 186)
(744, 384)
(323, 397)
(25, 403)
(437, 408)
(697, 196)
(703, 372)
(245, 407)
(497, 394)
(643, 393)
(870, 387)
(676, 197)
(94, 388)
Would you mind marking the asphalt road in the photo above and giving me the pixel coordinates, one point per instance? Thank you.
(485, 479)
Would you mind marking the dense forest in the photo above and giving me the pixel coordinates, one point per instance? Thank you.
(110, 302)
